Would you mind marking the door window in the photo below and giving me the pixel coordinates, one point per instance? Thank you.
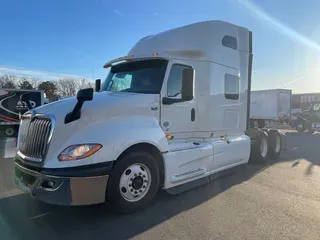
(174, 85)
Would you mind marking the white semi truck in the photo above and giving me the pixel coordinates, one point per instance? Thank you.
(171, 114)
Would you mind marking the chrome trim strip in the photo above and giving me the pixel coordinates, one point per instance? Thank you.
(53, 124)
(24, 157)
(19, 132)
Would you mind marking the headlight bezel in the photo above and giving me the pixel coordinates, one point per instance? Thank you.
(68, 154)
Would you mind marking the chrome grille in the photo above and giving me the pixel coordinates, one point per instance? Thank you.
(34, 137)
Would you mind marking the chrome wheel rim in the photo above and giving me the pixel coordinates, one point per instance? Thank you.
(264, 147)
(278, 144)
(299, 127)
(135, 182)
(9, 132)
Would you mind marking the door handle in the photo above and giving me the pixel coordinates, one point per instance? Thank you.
(193, 114)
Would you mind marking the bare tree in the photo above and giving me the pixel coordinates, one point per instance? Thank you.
(91, 84)
(67, 86)
(25, 84)
(70, 86)
(35, 82)
(8, 81)
(49, 88)
(84, 83)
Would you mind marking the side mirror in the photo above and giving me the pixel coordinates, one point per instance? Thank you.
(85, 95)
(82, 96)
(98, 85)
(187, 84)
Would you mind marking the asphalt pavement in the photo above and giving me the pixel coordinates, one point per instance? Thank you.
(275, 200)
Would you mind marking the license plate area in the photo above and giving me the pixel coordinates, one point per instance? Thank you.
(22, 185)
(23, 180)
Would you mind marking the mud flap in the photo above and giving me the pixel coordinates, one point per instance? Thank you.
(283, 141)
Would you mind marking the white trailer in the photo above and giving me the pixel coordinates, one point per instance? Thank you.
(269, 107)
(171, 114)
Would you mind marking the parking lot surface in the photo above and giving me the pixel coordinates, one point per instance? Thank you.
(275, 200)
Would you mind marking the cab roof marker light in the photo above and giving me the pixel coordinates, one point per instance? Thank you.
(110, 63)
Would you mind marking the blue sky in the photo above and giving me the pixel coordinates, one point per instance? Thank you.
(52, 39)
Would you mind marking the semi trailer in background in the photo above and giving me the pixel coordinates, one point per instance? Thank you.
(12, 108)
(172, 114)
(270, 107)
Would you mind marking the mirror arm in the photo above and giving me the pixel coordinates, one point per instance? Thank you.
(75, 114)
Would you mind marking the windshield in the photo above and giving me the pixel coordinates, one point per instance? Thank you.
(138, 77)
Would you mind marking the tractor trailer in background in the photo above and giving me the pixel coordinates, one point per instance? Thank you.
(11, 108)
(269, 108)
(309, 119)
(172, 114)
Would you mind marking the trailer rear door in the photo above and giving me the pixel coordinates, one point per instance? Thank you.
(285, 103)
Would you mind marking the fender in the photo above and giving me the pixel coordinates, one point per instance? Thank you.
(116, 135)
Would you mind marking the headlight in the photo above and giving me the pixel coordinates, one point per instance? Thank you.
(78, 151)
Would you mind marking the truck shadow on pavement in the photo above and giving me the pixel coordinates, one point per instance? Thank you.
(303, 146)
(31, 219)
(27, 218)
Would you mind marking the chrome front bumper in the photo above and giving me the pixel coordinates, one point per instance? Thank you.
(62, 190)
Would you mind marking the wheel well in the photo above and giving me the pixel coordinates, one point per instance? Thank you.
(154, 151)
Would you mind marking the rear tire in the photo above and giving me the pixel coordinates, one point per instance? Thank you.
(275, 144)
(260, 148)
(133, 182)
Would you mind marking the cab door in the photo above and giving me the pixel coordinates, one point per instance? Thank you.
(178, 118)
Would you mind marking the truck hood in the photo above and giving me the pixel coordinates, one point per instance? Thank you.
(104, 105)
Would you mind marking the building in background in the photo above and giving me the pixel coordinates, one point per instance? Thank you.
(303, 100)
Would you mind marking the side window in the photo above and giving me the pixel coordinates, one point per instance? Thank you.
(231, 87)
(120, 82)
(230, 42)
(174, 84)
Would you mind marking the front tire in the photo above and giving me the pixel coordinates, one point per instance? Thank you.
(134, 182)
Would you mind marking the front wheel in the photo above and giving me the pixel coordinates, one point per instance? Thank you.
(300, 127)
(134, 182)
